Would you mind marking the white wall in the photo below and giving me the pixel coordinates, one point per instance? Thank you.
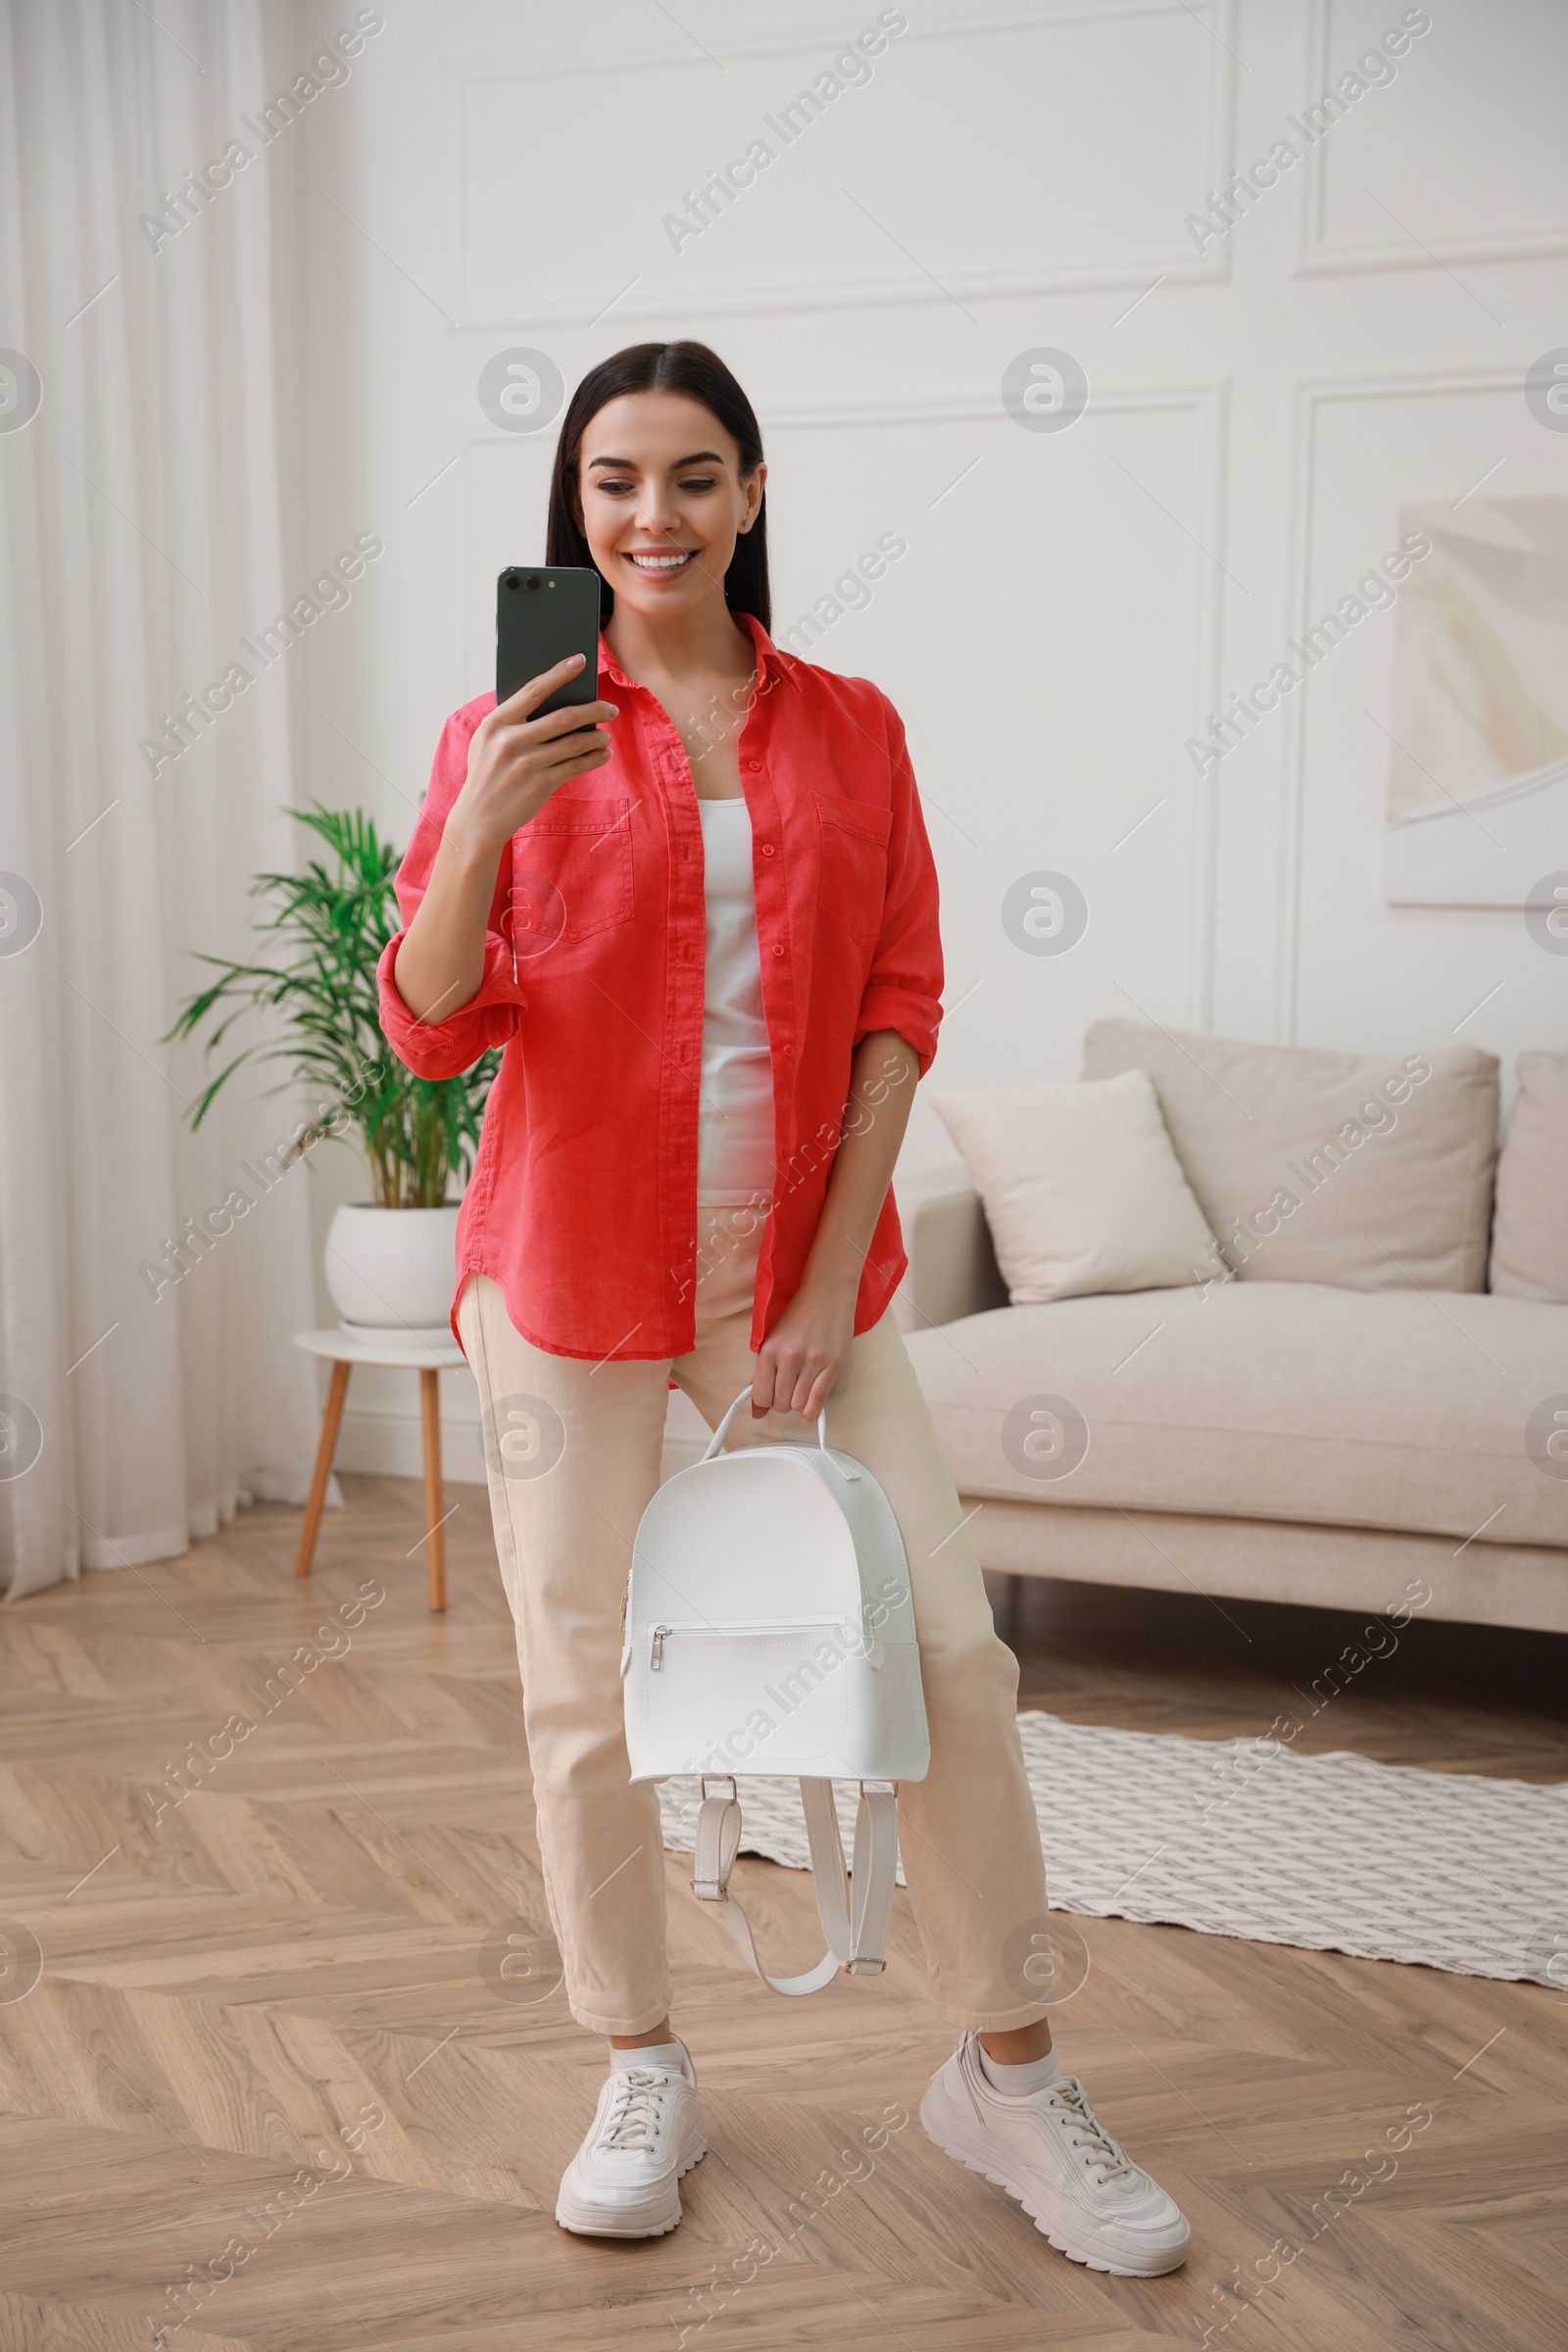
(1072, 604)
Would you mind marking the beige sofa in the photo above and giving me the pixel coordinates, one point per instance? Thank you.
(1335, 1411)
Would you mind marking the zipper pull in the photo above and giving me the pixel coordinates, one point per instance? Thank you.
(657, 1659)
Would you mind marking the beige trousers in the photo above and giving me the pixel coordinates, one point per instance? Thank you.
(574, 1450)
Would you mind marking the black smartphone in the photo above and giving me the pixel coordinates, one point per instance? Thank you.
(541, 616)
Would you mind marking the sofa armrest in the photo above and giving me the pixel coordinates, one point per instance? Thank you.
(952, 1268)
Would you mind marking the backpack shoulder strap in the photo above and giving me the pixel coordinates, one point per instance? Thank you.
(855, 1922)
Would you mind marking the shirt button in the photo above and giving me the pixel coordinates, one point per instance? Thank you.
(754, 764)
(767, 848)
(778, 951)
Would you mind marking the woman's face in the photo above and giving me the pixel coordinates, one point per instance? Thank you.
(661, 500)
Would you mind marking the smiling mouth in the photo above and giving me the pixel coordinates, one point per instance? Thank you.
(664, 564)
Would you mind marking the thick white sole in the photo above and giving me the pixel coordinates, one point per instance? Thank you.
(655, 2218)
(1058, 2221)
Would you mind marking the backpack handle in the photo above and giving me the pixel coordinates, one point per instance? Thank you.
(717, 1443)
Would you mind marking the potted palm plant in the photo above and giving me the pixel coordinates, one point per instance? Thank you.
(389, 1260)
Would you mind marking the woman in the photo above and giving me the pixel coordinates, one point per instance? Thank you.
(705, 935)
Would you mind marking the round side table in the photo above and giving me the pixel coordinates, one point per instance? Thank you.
(427, 1352)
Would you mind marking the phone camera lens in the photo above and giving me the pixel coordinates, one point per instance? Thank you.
(512, 581)
(534, 579)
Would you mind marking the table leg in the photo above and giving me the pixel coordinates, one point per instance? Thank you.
(331, 1422)
(434, 1515)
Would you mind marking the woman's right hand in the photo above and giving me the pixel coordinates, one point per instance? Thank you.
(516, 761)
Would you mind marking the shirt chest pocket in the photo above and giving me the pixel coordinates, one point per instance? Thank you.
(572, 873)
(854, 865)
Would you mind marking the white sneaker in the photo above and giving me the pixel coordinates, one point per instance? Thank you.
(647, 2131)
(1050, 2151)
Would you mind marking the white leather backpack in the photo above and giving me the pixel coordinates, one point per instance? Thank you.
(770, 1629)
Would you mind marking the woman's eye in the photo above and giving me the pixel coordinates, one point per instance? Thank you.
(707, 481)
(616, 489)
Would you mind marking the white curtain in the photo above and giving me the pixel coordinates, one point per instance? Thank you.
(141, 513)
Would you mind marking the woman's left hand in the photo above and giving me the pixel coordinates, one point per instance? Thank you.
(809, 1345)
(805, 1351)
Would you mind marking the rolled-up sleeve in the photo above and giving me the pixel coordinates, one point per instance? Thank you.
(903, 988)
(441, 1049)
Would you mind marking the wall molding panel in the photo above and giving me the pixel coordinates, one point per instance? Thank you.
(1319, 258)
(1022, 280)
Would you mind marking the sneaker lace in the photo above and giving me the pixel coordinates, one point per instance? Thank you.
(632, 2121)
(1071, 2101)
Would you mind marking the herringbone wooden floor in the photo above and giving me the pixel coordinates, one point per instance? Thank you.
(267, 2050)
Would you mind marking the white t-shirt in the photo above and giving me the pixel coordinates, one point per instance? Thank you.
(735, 1113)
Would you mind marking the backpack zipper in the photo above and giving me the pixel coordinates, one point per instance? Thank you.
(754, 1625)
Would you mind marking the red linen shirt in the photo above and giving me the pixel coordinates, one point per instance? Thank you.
(582, 1204)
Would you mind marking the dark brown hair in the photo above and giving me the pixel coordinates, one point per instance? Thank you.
(692, 368)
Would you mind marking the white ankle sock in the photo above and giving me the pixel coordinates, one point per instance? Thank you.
(1020, 2081)
(656, 2053)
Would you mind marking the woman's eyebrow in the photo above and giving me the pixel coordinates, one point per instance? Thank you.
(701, 457)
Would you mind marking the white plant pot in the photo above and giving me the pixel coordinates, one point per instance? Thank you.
(392, 1270)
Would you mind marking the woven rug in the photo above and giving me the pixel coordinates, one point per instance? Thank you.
(1245, 1837)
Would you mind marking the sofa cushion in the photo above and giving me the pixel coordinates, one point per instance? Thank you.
(1080, 1186)
(1530, 1230)
(1265, 1400)
(1313, 1166)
